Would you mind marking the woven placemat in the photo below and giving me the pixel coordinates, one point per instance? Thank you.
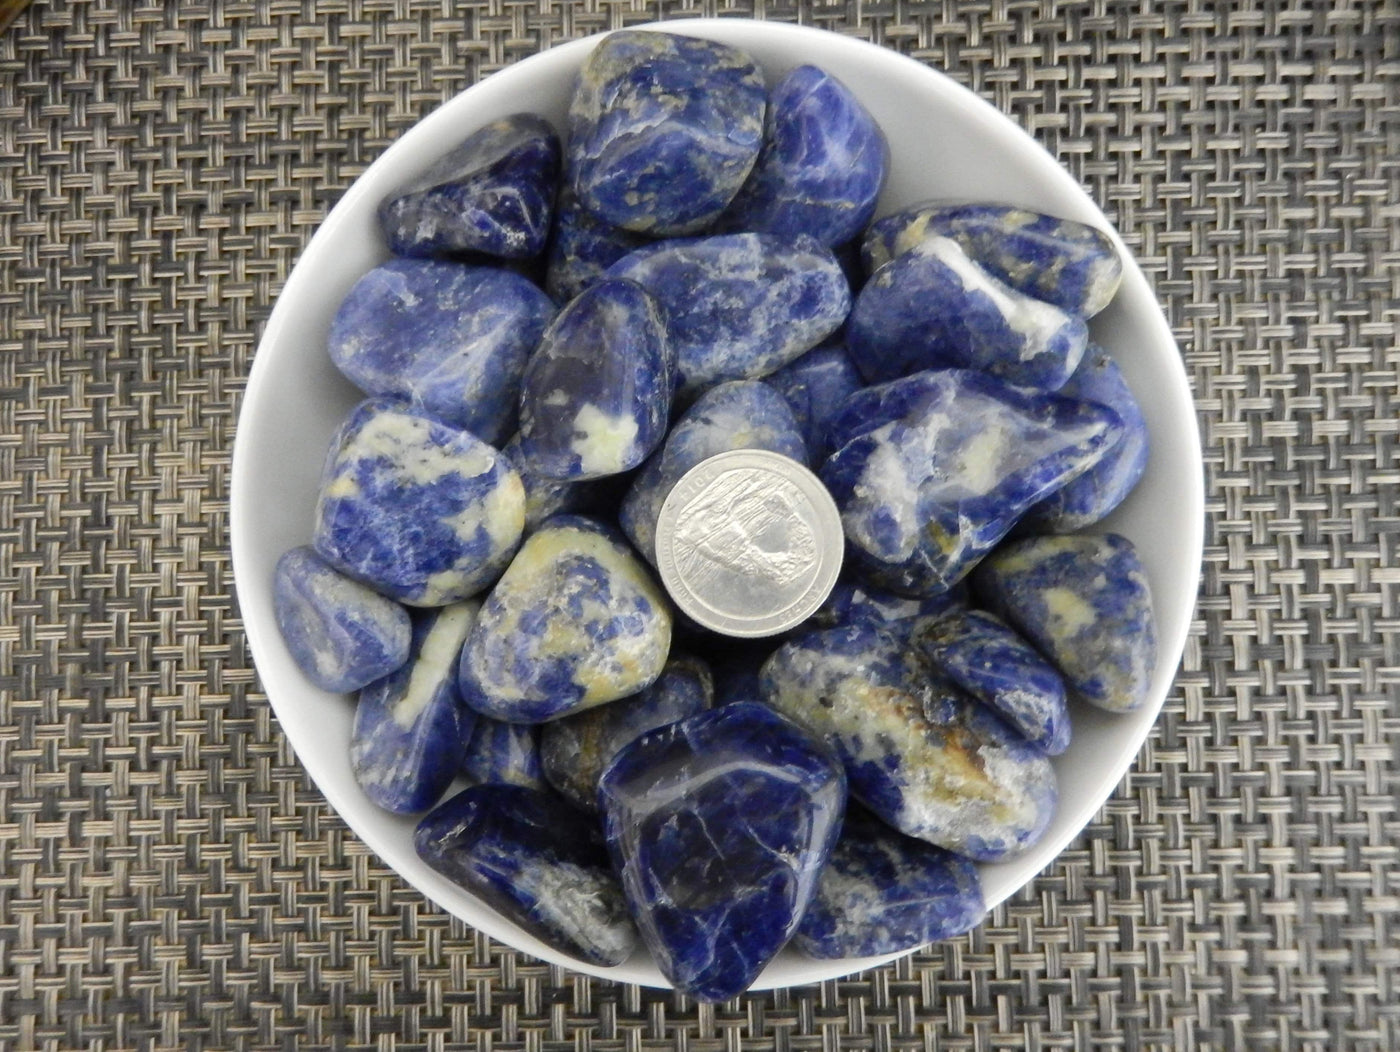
(169, 878)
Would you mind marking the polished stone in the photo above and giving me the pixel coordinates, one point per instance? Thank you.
(504, 753)
(596, 395)
(575, 750)
(420, 512)
(582, 247)
(342, 634)
(929, 760)
(719, 826)
(883, 892)
(575, 621)
(815, 386)
(740, 306)
(405, 743)
(1085, 604)
(537, 861)
(663, 130)
(450, 338)
(1070, 264)
(934, 308)
(493, 194)
(822, 165)
(933, 470)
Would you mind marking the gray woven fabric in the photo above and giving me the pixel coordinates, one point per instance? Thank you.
(169, 878)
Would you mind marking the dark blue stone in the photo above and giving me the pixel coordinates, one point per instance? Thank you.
(339, 632)
(575, 621)
(1094, 494)
(406, 742)
(851, 603)
(822, 165)
(582, 247)
(537, 861)
(929, 760)
(1084, 603)
(882, 892)
(450, 338)
(719, 826)
(418, 511)
(1069, 264)
(574, 750)
(493, 194)
(663, 130)
(544, 497)
(936, 468)
(505, 753)
(990, 661)
(815, 386)
(740, 306)
(933, 308)
(596, 395)
(742, 414)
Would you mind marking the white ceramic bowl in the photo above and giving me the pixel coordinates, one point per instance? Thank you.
(945, 143)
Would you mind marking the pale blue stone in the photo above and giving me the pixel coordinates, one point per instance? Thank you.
(815, 386)
(883, 892)
(574, 750)
(341, 634)
(933, 308)
(582, 247)
(719, 826)
(742, 414)
(822, 165)
(852, 603)
(450, 338)
(575, 621)
(538, 862)
(1094, 494)
(740, 306)
(1084, 603)
(405, 744)
(596, 394)
(978, 652)
(663, 130)
(493, 194)
(1070, 264)
(505, 753)
(418, 511)
(920, 753)
(933, 470)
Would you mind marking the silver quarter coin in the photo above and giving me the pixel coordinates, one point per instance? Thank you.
(749, 543)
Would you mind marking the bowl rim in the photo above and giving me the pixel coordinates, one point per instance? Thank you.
(1176, 396)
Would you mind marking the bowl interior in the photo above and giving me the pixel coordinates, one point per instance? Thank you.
(945, 143)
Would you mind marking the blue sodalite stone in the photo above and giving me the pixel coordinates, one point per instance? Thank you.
(663, 130)
(418, 511)
(933, 308)
(851, 603)
(740, 306)
(405, 745)
(340, 633)
(493, 194)
(596, 395)
(883, 892)
(574, 750)
(536, 860)
(450, 338)
(1085, 604)
(742, 414)
(1069, 264)
(920, 753)
(504, 753)
(1094, 494)
(815, 386)
(934, 469)
(822, 164)
(582, 247)
(575, 621)
(994, 664)
(719, 826)
(544, 497)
